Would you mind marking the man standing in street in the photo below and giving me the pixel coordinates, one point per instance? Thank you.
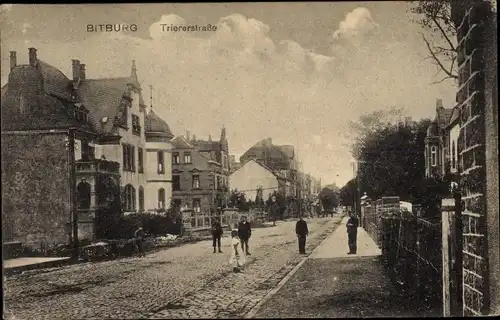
(139, 239)
(216, 234)
(352, 233)
(244, 233)
(302, 232)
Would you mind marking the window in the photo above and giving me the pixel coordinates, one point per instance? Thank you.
(453, 156)
(177, 202)
(175, 158)
(197, 205)
(128, 157)
(224, 161)
(196, 181)
(187, 157)
(161, 162)
(136, 125)
(433, 156)
(86, 151)
(129, 198)
(140, 155)
(83, 191)
(80, 115)
(176, 183)
(141, 199)
(161, 198)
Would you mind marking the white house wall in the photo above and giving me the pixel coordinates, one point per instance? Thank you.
(250, 176)
(156, 181)
(454, 133)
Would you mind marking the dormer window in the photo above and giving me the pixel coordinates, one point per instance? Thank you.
(136, 125)
(80, 113)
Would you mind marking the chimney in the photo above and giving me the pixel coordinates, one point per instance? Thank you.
(32, 57)
(209, 137)
(13, 60)
(82, 71)
(439, 104)
(76, 70)
(187, 135)
(194, 137)
(233, 159)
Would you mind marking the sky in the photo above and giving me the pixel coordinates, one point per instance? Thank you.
(295, 72)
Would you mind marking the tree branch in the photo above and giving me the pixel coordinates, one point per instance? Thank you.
(445, 78)
(444, 34)
(436, 59)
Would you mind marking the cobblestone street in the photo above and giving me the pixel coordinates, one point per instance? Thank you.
(184, 282)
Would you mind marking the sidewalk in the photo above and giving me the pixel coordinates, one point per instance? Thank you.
(333, 284)
(28, 263)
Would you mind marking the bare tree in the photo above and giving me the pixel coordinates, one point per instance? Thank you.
(435, 16)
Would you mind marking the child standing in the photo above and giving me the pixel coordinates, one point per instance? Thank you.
(237, 255)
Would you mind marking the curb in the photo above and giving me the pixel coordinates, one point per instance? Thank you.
(283, 281)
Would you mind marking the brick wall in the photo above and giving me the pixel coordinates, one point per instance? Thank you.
(35, 188)
(472, 17)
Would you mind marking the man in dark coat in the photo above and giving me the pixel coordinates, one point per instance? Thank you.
(244, 233)
(352, 233)
(302, 232)
(216, 234)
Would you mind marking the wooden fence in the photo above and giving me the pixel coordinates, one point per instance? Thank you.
(411, 250)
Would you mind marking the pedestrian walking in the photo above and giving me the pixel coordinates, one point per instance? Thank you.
(244, 233)
(216, 234)
(237, 259)
(139, 240)
(302, 232)
(352, 233)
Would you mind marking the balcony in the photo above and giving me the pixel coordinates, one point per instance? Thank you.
(97, 166)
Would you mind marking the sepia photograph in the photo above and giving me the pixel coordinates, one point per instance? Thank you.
(235, 160)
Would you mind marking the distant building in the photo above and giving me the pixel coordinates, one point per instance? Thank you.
(71, 147)
(281, 159)
(233, 164)
(441, 142)
(254, 174)
(200, 175)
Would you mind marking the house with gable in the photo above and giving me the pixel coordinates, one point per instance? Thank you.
(76, 151)
(282, 159)
(441, 142)
(253, 175)
(200, 176)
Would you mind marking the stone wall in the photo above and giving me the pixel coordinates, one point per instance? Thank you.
(474, 40)
(35, 189)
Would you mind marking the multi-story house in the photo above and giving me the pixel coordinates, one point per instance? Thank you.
(254, 175)
(441, 142)
(200, 176)
(72, 149)
(281, 159)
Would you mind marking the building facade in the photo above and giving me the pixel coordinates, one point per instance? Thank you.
(281, 159)
(441, 142)
(253, 175)
(200, 176)
(477, 100)
(87, 154)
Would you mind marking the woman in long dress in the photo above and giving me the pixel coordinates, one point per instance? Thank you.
(237, 259)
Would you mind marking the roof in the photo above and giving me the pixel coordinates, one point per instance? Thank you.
(180, 142)
(54, 81)
(455, 115)
(156, 124)
(276, 174)
(203, 145)
(288, 150)
(443, 117)
(102, 97)
(432, 130)
(31, 107)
